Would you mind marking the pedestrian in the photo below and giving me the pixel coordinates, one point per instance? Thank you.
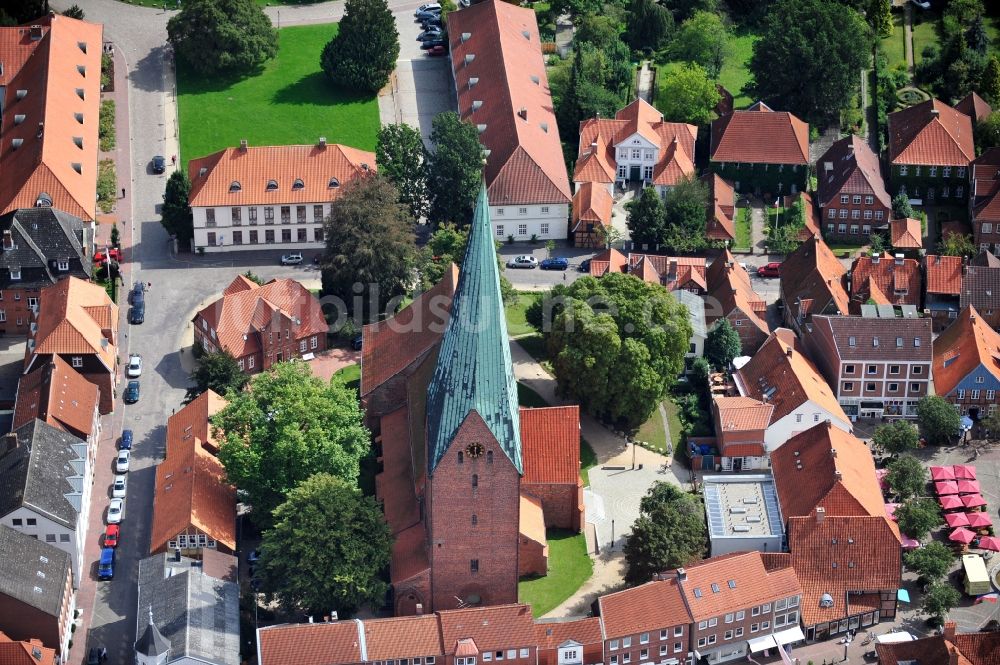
(149, 285)
(173, 159)
(123, 192)
(564, 277)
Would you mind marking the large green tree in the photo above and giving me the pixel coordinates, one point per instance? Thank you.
(879, 15)
(990, 85)
(400, 156)
(688, 94)
(703, 39)
(722, 345)
(175, 214)
(957, 244)
(217, 371)
(648, 25)
(931, 562)
(14, 12)
(907, 476)
(901, 206)
(213, 36)
(647, 220)
(987, 132)
(809, 56)
(287, 426)
(917, 517)
(369, 242)
(446, 246)
(327, 549)
(897, 437)
(685, 212)
(593, 83)
(939, 599)
(363, 53)
(669, 533)
(454, 169)
(939, 421)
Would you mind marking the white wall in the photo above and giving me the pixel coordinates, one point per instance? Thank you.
(726, 545)
(811, 414)
(224, 227)
(523, 221)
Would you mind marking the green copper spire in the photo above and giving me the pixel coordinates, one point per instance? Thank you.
(474, 371)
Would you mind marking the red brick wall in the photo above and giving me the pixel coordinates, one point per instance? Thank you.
(533, 558)
(562, 504)
(751, 337)
(14, 303)
(455, 541)
(409, 593)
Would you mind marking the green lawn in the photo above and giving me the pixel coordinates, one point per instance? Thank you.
(516, 323)
(736, 71)
(289, 101)
(588, 460)
(845, 251)
(924, 34)
(744, 229)
(894, 46)
(652, 433)
(350, 375)
(569, 567)
(674, 423)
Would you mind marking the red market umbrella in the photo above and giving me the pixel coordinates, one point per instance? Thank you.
(942, 473)
(890, 510)
(978, 520)
(968, 486)
(880, 475)
(966, 471)
(946, 487)
(962, 535)
(973, 500)
(951, 502)
(956, 520)
(989, 543)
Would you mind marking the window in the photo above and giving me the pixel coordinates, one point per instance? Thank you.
(63, 537)
(991, 395)
(644, 638)
(852, 341)
(237, 213)
(647, 172)
(855, 214)
(663, 649)
(678, 646)
(626, 642)
(63, 265)
(523, 653)
(31, 521)
(522, 229)
(268, 214)
(313, 342)
(946, 171)
(857, 199)
(636, 154)
(754, 611)
(702, 641)
(903, 170)
(269, 236)
(644, 654)
(980, 379)
(728, 635)
(893, 387)
(729, 618)
(959, 192)
(487, 656)
(300, 235)
(77, 361)
(854, 227)
(250, 362)
(740, 615)
(50, 537)
(317, 213)
(545, 210)
(210, 216)
(754, 627)
(473, 565)
(879, 214)
(286, 214)
(626, 657)
(739, 632)
(894, 369)
(318, 234)
(844, 199)
(711, 639)
(237, 237)
(241, 363)
(765, 625)
(500, 233)
(738, 322)
(702, 625)
(302, 346)
(286, 235)
(522, 211)
(832, 214)
(843, 213)
(614, 660)
(798, 417)
(917, 369)
(713, 622)
(987, 227)
(842, 228)
(868, 214)
(870, 387)
(252, 214)
(945, 191)
(916, 341)
(869, 200)
(975, 394)
(500, 212)
(475, 480)
(475, 519)
(961, 171)
(545, 228)
(932, 171)
(613, 645)
(461, 457)
(961, 394)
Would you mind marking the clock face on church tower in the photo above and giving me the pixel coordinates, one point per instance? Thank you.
(474, 450)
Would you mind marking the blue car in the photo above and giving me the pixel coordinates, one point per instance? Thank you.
(555, 264)
(131, 392)
(106, 567)
(126, 442)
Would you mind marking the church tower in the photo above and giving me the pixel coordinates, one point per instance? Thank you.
(152, 648)
(474, 461)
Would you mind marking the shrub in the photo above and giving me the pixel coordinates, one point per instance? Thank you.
(107, 185)
(106, 126)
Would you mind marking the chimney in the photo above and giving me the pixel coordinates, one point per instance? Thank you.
(681, 575)
(419, 609)
(788, 352)
(10, 442)
(243, 145)
(875, 257)
(838, 475)
(820, 513)
(523, 113)
(829, 423)
(8, 239)
(949, 630)
(899, 259)
(322, 142)
(952, 655)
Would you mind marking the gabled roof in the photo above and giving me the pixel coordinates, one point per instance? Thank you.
(944, 274)
(812, 280)
(58, 395)
(497, 60)
(742, 581)
(550, 438)
(981, 283)
(491, 628)
(974, 106)
(721, 223)
(300, 174)
(986, 186)
(54, 124)
(780, 374)
(193, 421)
(857, 338)
(474, 371)
(592, 204)
(967, 344)
(610, 260)
(760, 136)
(850, 167)
(33, 572)
(44, 239)
(239, 317)
(966, 648)
(930, 133)
(77, 317)
(152, 642)
(729, 286)
(553, 634)
(673, 272)
(897, 278)
(741, 414)
(402, 637)
(647, 607)
(25, 652)
(906, 233)
(337, 643)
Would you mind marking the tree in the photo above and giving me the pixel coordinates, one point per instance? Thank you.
(956, 244)
(594, 82)
(286, 427)
(703, 39)
(907, 476)
(687, 94)
(647, 218)
(901, 207)
(990, 86)
(446, 246)
(917, 517)
(23, 11)
(601, 32)
(254, 277)
(939, 421)
(897, 437)
(722, 345)
(987, 132)
(684, 210)
(363, 53)
(217, 371)
(327, 548)
(116, 235)
(175, 214)
(400, 156)
(577, 9)
(685, 9)
(976, 36)
(700, 372)
(369, 241)
(648, 25)
(454, 169)
(669, 533)
(880, 17)
(213, 36)
(808, 57)
(74, 11)
(939, 599)
(931, 562)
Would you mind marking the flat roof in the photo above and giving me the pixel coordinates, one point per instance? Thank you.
(743, 506)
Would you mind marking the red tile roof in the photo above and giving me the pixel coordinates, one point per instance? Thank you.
(193, 421)
(531, 521)
(498, 45)
(647, 607)
(23, 652)
(721, 208)
(898, 279)
(253, 167)
(944, 274)
(760, 136)
(551, 634)
(742, 414)
(812, 280)
(986, 186)
(389, 346)
(906, 233)
(930, 133)
(974, 106)
(610, 260)
(592, 204)
(244, 311)
(55, 123)
(753, 584)
(966, 648)
(730, 289)
(60, 396)
(394, 484)
(550, 444)
(850, 167)
(968, 343)
(336, 643)
(402, 637)
(496, 627)
(77, 317)
(673, 272)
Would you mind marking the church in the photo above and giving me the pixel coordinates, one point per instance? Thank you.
(469, 481)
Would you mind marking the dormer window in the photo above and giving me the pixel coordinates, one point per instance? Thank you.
(18, 118)
(334, 183)
(298, 184)
(62, 265)
(235, 186)
(15, 272)
(272, 185)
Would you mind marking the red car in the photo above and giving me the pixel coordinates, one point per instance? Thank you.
(437, 50)
(114, 253)
(111, 535)
(772, 269)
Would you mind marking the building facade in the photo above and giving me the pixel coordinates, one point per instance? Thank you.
(984, 203)
(851, 194)
(965, 370)
(761, 151)
(930, 149)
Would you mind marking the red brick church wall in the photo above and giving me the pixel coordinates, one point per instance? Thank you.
(533, 558)
(562, 503)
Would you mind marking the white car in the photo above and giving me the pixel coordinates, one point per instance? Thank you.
(525, 261)
(134, 366)
(121, 464)
(291, 259)
(430, 6)
(119, 487)
(116, 509)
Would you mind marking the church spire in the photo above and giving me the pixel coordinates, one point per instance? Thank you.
(474, 370)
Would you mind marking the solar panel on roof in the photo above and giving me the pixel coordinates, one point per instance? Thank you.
(868, 312)
(909, 311)
(886, 312)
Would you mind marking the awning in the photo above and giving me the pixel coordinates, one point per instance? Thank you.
(902, 595)
(760, 643)
(789, 635)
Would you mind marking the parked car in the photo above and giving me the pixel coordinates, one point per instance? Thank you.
(427, 6)
(126, 440)
(159, 164)
(585, 265)
(431, 43)
(111, 534)
(134, 366)
(430, 34)
(293, 259)
(122, 461)
(131, 392)
(428, 14)
(114, 253)
(96, 655)
(116, 509)
(440, 49)
(119, 486)
(772, 269)
(555, 263)
(137, 294)
(434, 21)
(137, 313)
(523, 262)
(105, 571)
